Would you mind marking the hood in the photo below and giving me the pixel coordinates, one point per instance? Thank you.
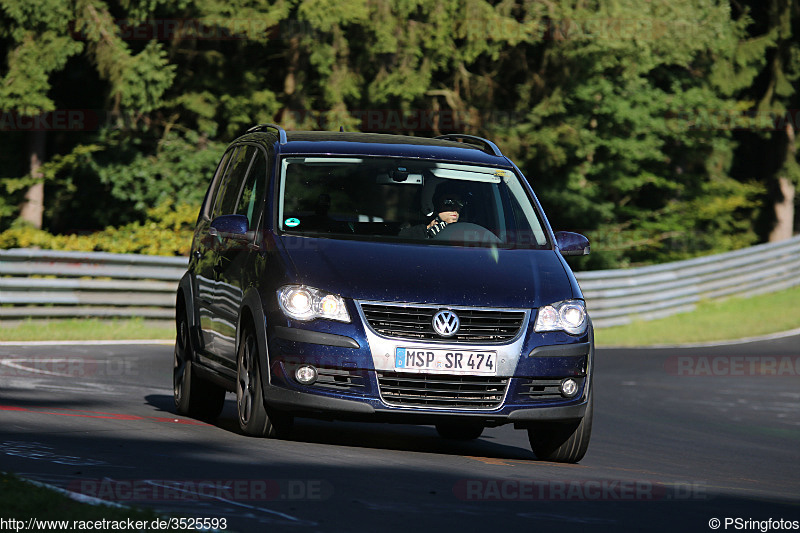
(447, 275)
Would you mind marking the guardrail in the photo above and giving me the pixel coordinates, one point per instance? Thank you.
(616, 297)
(49, 284)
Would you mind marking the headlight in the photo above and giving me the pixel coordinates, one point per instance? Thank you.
(305, 303)
(569, 316)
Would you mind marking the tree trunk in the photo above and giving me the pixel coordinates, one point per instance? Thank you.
(33, 206)
(784, 211)
(291, 118)
(784, 204)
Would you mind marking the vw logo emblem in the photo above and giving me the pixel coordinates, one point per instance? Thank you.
(446, 323)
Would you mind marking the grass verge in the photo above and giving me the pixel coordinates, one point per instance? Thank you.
(730, 319)
(24, 501)
(79, 329)
(734, 318)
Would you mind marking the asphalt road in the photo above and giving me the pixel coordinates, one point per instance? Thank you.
(681, 437)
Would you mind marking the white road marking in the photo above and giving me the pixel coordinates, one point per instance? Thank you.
(42, 452)
(231, 502)
(17, 364)
(77, 496)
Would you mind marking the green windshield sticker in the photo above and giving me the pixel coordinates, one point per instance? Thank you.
(292, 222)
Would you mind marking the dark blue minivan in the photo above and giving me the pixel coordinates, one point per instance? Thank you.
(383, 278)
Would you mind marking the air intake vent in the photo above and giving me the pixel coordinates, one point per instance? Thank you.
(442, 390)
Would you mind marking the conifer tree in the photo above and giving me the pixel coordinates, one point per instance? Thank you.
(43, 36)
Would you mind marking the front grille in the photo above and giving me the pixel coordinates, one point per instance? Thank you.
(442, 390)
(543, 389)
(414, 322)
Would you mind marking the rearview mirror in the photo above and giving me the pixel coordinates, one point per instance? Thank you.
(230, 226)
(572, 243)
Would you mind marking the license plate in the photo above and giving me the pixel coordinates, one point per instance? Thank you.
(440, 361)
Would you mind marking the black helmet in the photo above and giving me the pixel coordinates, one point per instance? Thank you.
(448, 198)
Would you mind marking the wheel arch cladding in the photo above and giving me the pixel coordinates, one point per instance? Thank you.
(252, 315)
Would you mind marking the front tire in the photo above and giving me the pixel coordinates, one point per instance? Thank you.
(254, 420)
(562, 442)
(192, 396)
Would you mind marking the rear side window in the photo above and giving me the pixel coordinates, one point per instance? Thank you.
(232, 181)
(211, 194)
(253, 189)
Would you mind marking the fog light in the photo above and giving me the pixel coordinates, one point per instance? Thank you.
(569, 388)
(306, 374)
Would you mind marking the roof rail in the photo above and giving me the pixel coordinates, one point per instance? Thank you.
(261, 127)
(486, 145)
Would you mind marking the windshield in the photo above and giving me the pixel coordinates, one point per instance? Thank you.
(390, 199)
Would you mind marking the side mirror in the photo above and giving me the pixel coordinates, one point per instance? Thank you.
(230, 226)
(572, 243)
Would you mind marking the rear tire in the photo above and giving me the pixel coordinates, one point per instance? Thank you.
(459, 430)
(254, 419)
(192, 396)
(562, 442)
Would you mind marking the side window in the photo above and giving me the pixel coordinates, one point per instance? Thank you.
(225, 203)
(211, 194)
(253, 189)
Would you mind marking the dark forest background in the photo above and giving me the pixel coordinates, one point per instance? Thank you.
(662, 129)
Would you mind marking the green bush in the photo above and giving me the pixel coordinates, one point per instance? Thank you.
(166, 231)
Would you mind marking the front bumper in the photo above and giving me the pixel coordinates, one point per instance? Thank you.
(326, 407)
(350, 387)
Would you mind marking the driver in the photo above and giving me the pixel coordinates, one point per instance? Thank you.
(447, 206)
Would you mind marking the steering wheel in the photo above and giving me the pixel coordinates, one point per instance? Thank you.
(468, 234)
